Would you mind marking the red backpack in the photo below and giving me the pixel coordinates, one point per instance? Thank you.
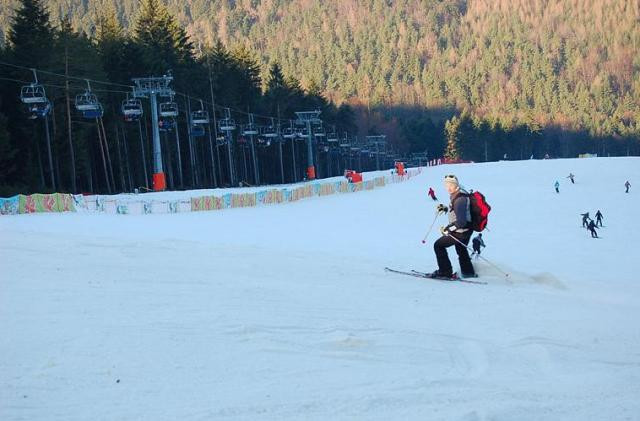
(479, 211)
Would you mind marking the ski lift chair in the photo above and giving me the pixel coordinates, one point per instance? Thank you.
(132, 108)
(226, 125)
(33, 94)
(200, 117)
(168, 109)
(87, 102)
(250, 130)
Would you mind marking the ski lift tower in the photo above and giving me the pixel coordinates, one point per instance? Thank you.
(308, 118)
(378, 140)
(152, 87)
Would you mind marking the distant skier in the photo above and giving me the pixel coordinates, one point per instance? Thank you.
(585, 220)
(353, 176)
(432, 194)
(477, 243)
(571, 177)
(592, 227)
(598, 218)
(627, 185)
(557, 186)
(459, 229)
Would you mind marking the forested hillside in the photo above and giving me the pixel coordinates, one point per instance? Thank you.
(488, 77)
(568, 62)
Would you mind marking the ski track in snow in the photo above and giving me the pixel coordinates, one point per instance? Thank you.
(285, 312)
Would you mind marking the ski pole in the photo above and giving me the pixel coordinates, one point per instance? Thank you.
(424, 240)
(480, 256)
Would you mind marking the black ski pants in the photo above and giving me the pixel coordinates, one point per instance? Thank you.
(441, 245)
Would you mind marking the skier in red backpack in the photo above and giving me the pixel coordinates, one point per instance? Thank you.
(433, 194)
(459, 229)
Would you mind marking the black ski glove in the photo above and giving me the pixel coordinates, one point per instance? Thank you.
(442, 208)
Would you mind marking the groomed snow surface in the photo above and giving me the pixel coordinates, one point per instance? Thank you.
(285, 312)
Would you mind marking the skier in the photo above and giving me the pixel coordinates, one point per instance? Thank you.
(557, 186)
(592, 227)
(585, 220)
(477, 243)
(353, 176)
(598, 218)
(627, 185)
(458, 229)
(571, 177)
(432, 194)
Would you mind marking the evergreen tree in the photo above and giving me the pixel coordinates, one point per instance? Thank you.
(451, 129)
(112, 43)
(164, 44)
(247, 81)
(30, 35)
(277, 94)
(219, 63)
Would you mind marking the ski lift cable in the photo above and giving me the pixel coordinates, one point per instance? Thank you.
(83, 79)
(50, 85)
(222, 107)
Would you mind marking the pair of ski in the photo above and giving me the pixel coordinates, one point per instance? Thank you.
(454, 278)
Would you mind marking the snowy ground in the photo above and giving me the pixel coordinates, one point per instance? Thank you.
(285, 312)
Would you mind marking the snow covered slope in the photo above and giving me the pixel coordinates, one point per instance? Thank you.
(285, 312)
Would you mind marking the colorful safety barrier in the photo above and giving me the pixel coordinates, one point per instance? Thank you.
(58, 202)
(268, 197)
(35, 203)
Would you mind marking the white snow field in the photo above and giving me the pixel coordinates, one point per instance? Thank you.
(286, 312)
